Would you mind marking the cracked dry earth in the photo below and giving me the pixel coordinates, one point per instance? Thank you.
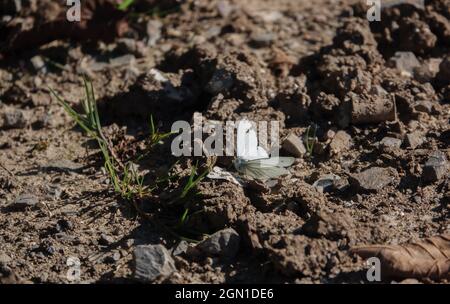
(377, 93)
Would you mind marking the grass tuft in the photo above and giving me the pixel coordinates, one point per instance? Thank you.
(126, 181)
(310, 139)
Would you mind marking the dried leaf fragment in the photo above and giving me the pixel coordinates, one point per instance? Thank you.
(428, 258)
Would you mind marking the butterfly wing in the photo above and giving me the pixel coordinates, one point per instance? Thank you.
(275, 162)
(247, 142)
(267, 168)
(264, 173)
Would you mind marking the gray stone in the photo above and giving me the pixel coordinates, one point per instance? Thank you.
(269, 16)
(262, 39)
(38, 64)
(425, 106)
(391, 142)
(213, 31)
(4, 259)
(419, 4)
(224, 8)
(106, 239)
(151, 262)
(223, 243)
(435, 168)
(135, 47)
(326, 183)
(122, 60)
(181, 248)
(14, 119)
(116, 256)
(112, 258)
(25, 201)
(414, 139)
(374, 179)
(378, 90)
(153, 31)
(341, 184)
(63, 165)
(428, 70)
(294, 145)
(405, 62)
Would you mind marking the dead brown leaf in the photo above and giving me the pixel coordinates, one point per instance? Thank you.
(428, 258)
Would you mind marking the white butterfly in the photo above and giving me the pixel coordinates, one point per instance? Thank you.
(252, 160)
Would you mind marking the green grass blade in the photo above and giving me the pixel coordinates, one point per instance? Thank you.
(125, 5)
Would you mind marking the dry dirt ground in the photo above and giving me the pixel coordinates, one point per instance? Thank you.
(377, 95)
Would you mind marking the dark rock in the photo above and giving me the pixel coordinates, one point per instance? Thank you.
(64, 225)
(374, 179)
(446, 94)
(220, 81)
(10, 7)
(223, 243)
(319, 148)
(48, 249)
(444, 72)
(151, 262)
(445, 137)
(435, 168)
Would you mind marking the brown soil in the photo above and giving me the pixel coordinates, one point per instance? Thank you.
(299, 62)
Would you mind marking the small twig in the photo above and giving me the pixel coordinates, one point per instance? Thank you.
(12, 176)
(6, 169)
